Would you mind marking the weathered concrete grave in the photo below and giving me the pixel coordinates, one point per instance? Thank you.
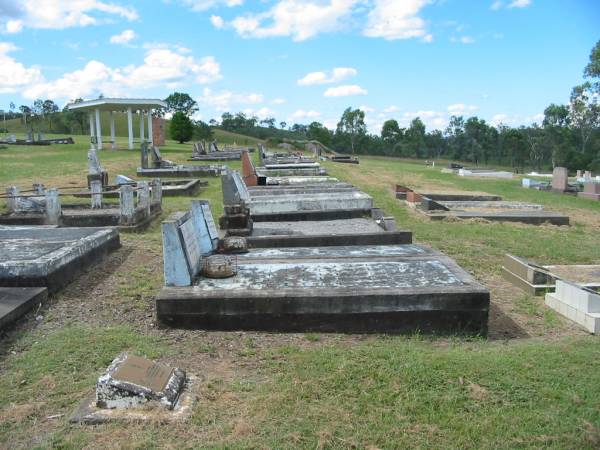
(473, 207)
(138, 206)
(361, 288)
(255, 176)
(162, 168)
(51, 257)
(17, 301)
(306, 206)
(135, 388)
(536, 279)
(591, 190)
(170, 188)
(199, 153)
(576, 303)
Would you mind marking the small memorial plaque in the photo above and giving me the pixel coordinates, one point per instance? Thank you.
(143, 372)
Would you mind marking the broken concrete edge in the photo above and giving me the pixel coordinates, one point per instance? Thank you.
(110, 391)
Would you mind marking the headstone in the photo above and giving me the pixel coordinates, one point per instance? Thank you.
(94, 166)
(96, 194)
(579, 172)
(12, 192)
(560, 179)
(29, 136)
(41, 136)
(122, 179)
(53, 208)
(156, 191)
(127, 203)
(587, 175)
(131, 381)
(191, 245)
(144, 196)
(12, 139)
(39, 188)
(144, 155)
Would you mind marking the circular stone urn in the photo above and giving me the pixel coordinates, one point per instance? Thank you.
(219, 266)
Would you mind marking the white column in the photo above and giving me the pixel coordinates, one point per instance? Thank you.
(130, 128)
(98, 130)
(113, 141)
(150, 136)
(141, 125)
(92, 130)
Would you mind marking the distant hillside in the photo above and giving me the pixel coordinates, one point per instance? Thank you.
(15, 126)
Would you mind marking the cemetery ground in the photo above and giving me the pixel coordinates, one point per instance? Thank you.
(532, 383)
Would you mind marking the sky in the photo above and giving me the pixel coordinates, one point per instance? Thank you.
(304, 60)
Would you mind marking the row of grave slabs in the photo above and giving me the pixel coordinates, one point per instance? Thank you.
(317, 255)
(41, 252)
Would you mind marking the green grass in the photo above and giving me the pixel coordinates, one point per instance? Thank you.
(320, 390)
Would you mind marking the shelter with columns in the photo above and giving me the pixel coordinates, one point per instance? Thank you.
(141, 107)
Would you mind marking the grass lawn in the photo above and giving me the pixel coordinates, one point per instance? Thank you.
(532, 383)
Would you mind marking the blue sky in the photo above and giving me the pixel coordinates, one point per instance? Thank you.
(304, 60)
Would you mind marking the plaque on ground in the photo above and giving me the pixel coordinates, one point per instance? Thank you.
(135, 388)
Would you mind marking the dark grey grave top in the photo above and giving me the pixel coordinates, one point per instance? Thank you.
(351, 226)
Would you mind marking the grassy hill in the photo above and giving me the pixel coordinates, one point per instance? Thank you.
(16, 126)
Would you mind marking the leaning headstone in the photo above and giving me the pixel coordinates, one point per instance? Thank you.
(131, 381)
(560, 179)
(122, 179)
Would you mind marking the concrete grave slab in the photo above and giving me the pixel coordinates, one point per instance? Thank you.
(17, 301)
(170, 188)
(536, 279)
(577, 303)
(362, 289)
(52, 257)
(491, 209)
(184, 171)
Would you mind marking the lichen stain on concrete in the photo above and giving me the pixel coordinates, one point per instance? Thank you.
(346, 275)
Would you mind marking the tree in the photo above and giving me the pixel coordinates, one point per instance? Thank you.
(48, 109)
(181, 127)
(282, 125)
(592, 70)
(269, 122)
(181, 102)
(585, 112)
(25, 111)
(202, 131)
(317, 132)
(353, 125)
(75, 117)
(415, 138)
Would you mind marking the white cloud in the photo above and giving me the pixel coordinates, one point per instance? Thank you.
(203, 5)
(125, 37)
(366, 109)
(344, 91)
(519, 3)
(397, 19)
(300, 19)
(302, 114)
(391, 109)
(161, 67)
(336, 75)
(278, 101)
(262, 113)
(467, 40)
(14, 76)
(225, 100)
(217, 22)
(499, 4)
(14, 26)
(59, 14)
(457, 109)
